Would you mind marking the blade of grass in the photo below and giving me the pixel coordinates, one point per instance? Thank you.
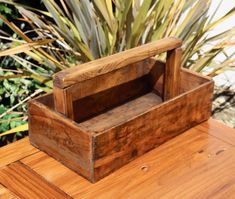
(23, 127)
(25, 47)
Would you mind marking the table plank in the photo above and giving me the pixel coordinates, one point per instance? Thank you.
(195, 164)
(16, 151)
(61, 176)
(26, 184)
(219, 130)
(6, 194)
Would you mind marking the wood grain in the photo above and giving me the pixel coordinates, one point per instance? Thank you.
(114, 128)
(109, 99)
(106, 73)
(104, 65)
(62, 104)
(60, 137)
(172, 74)
(67, 100)
(156, 75)
(193, 165)
(6, 194)
(106, 121)
(133, 137)
(109, 80)
(27, 184)
(189, 80)
(218, 130)
(11, 153)
(108, 90)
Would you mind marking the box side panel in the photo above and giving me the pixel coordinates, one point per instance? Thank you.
(94, 105)
(188, 79)
(191, 80)
(46, 100)
(67, 100)
(60, 138)
(121, 144)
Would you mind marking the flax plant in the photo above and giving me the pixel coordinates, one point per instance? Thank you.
(70, 32)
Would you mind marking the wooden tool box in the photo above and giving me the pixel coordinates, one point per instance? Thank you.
(107, 112)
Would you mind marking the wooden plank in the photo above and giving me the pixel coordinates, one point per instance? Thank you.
(60, 137)
(219, 130)
(104, 65)
(190, 79)
(101, 144)
(156, 75)
(110, 80)
(61, 104)
(103, 74)
(13, 152)
(109, 99)
(47, 100)
(172, 74)
(192, 165)
(135, 107)
(57, 174)
(115, 83)
(7, 194)
(135, 136)
(27, 184)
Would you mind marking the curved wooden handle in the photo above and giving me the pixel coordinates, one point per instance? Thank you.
(104, 65)
(102, 74)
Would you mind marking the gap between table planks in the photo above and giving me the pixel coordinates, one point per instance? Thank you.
(197, 164)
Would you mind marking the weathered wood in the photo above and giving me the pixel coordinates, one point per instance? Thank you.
(100, 144)
(122, 113)
(191, 79)
(6, 194)
(112, 111)
(188, 81)
(27, 184)
(60, 137)
(135, 136)
(195, 164)
(218, 130)
(104, 65)
(172, 74)
(67, 99)
(108, 99)
(61, 104)
(11, 153)
(156, 75)
(102, 74)
(112, 79)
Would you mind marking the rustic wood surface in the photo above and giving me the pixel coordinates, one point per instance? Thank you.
(12, 154)
(5, 193)
(20, 179)
(105, 73)
(61, 137)
(113, 127)
(200, 163)
(114, 147)
(106, 100)
(110, 63)
(106, 120)
(172, 74)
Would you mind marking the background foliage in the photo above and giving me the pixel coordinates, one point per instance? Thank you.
(59, 34)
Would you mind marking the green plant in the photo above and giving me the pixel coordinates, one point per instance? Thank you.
(8, 12)
(15, 90)
(17, 83)
(78, 31)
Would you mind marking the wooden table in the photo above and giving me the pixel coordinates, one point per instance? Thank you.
(200, 163)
